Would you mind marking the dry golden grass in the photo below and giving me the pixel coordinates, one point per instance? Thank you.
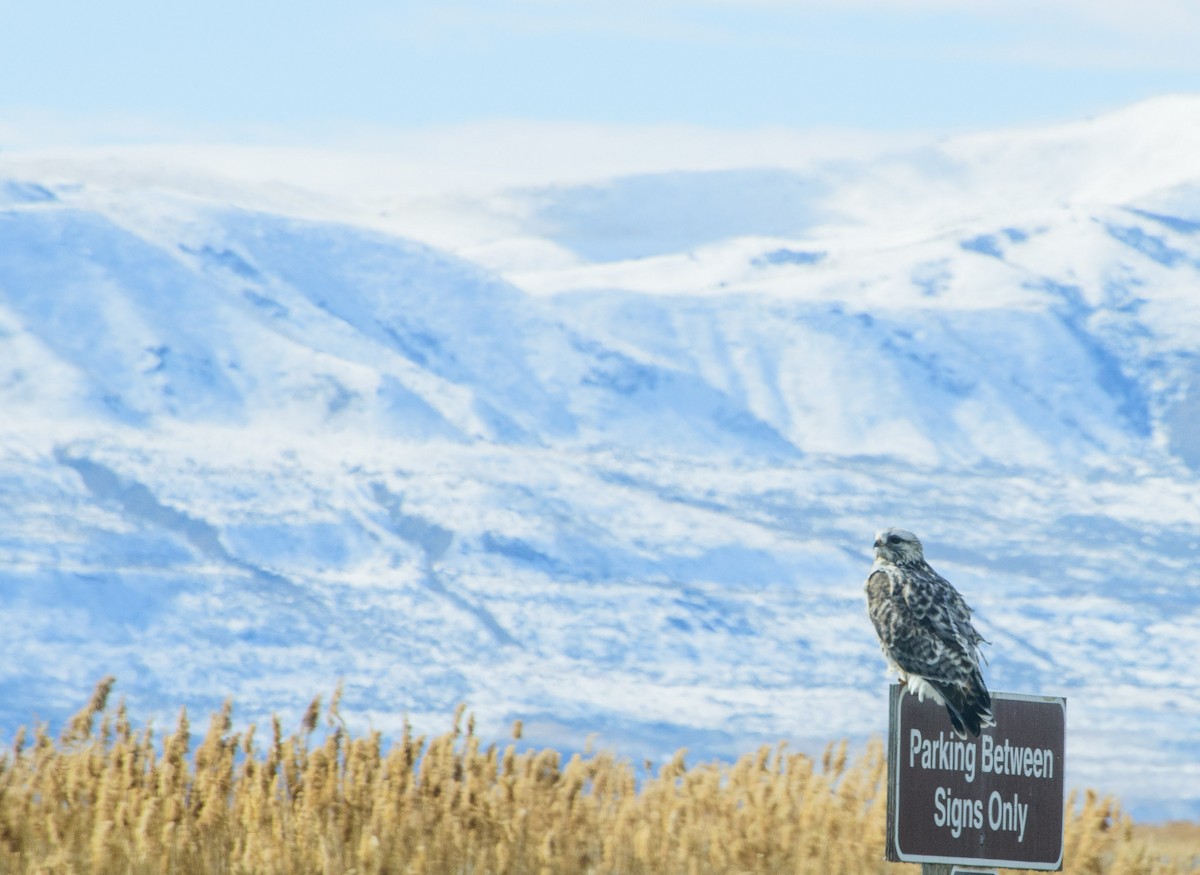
(1177, 841)
(104, 798)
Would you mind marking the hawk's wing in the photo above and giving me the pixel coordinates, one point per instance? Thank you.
(954, 617)
(910, 622)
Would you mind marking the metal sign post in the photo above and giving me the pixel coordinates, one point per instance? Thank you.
(995, 801)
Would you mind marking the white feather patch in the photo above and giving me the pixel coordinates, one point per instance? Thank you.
(921, 688)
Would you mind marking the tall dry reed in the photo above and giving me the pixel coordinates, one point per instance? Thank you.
(104, 798)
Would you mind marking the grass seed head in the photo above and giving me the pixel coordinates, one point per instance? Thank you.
(107, 801)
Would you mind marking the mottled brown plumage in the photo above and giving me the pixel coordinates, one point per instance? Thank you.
(925, 631)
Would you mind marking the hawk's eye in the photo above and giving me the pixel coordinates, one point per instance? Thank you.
(892, 539)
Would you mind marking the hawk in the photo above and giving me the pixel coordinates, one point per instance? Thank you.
(925, 631)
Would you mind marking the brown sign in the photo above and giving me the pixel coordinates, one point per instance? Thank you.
(995, 800)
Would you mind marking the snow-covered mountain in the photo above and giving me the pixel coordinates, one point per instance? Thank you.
(609, 455)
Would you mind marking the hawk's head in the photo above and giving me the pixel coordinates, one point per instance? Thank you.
(897, 545)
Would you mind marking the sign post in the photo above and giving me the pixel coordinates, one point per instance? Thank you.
(993, 801)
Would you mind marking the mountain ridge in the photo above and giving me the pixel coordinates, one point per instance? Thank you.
(251, 451)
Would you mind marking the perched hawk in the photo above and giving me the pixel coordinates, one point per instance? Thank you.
(925, 631)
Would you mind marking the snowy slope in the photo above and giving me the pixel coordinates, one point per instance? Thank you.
(614, 463)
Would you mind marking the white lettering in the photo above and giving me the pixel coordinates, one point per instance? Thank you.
(958, 814)
(995, 805)
(1002, 758)
(1008, 816)
(942, 754)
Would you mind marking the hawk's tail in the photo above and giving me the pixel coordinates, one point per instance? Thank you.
(969, 705)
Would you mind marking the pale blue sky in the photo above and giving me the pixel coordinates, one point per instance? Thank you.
(304, 71)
